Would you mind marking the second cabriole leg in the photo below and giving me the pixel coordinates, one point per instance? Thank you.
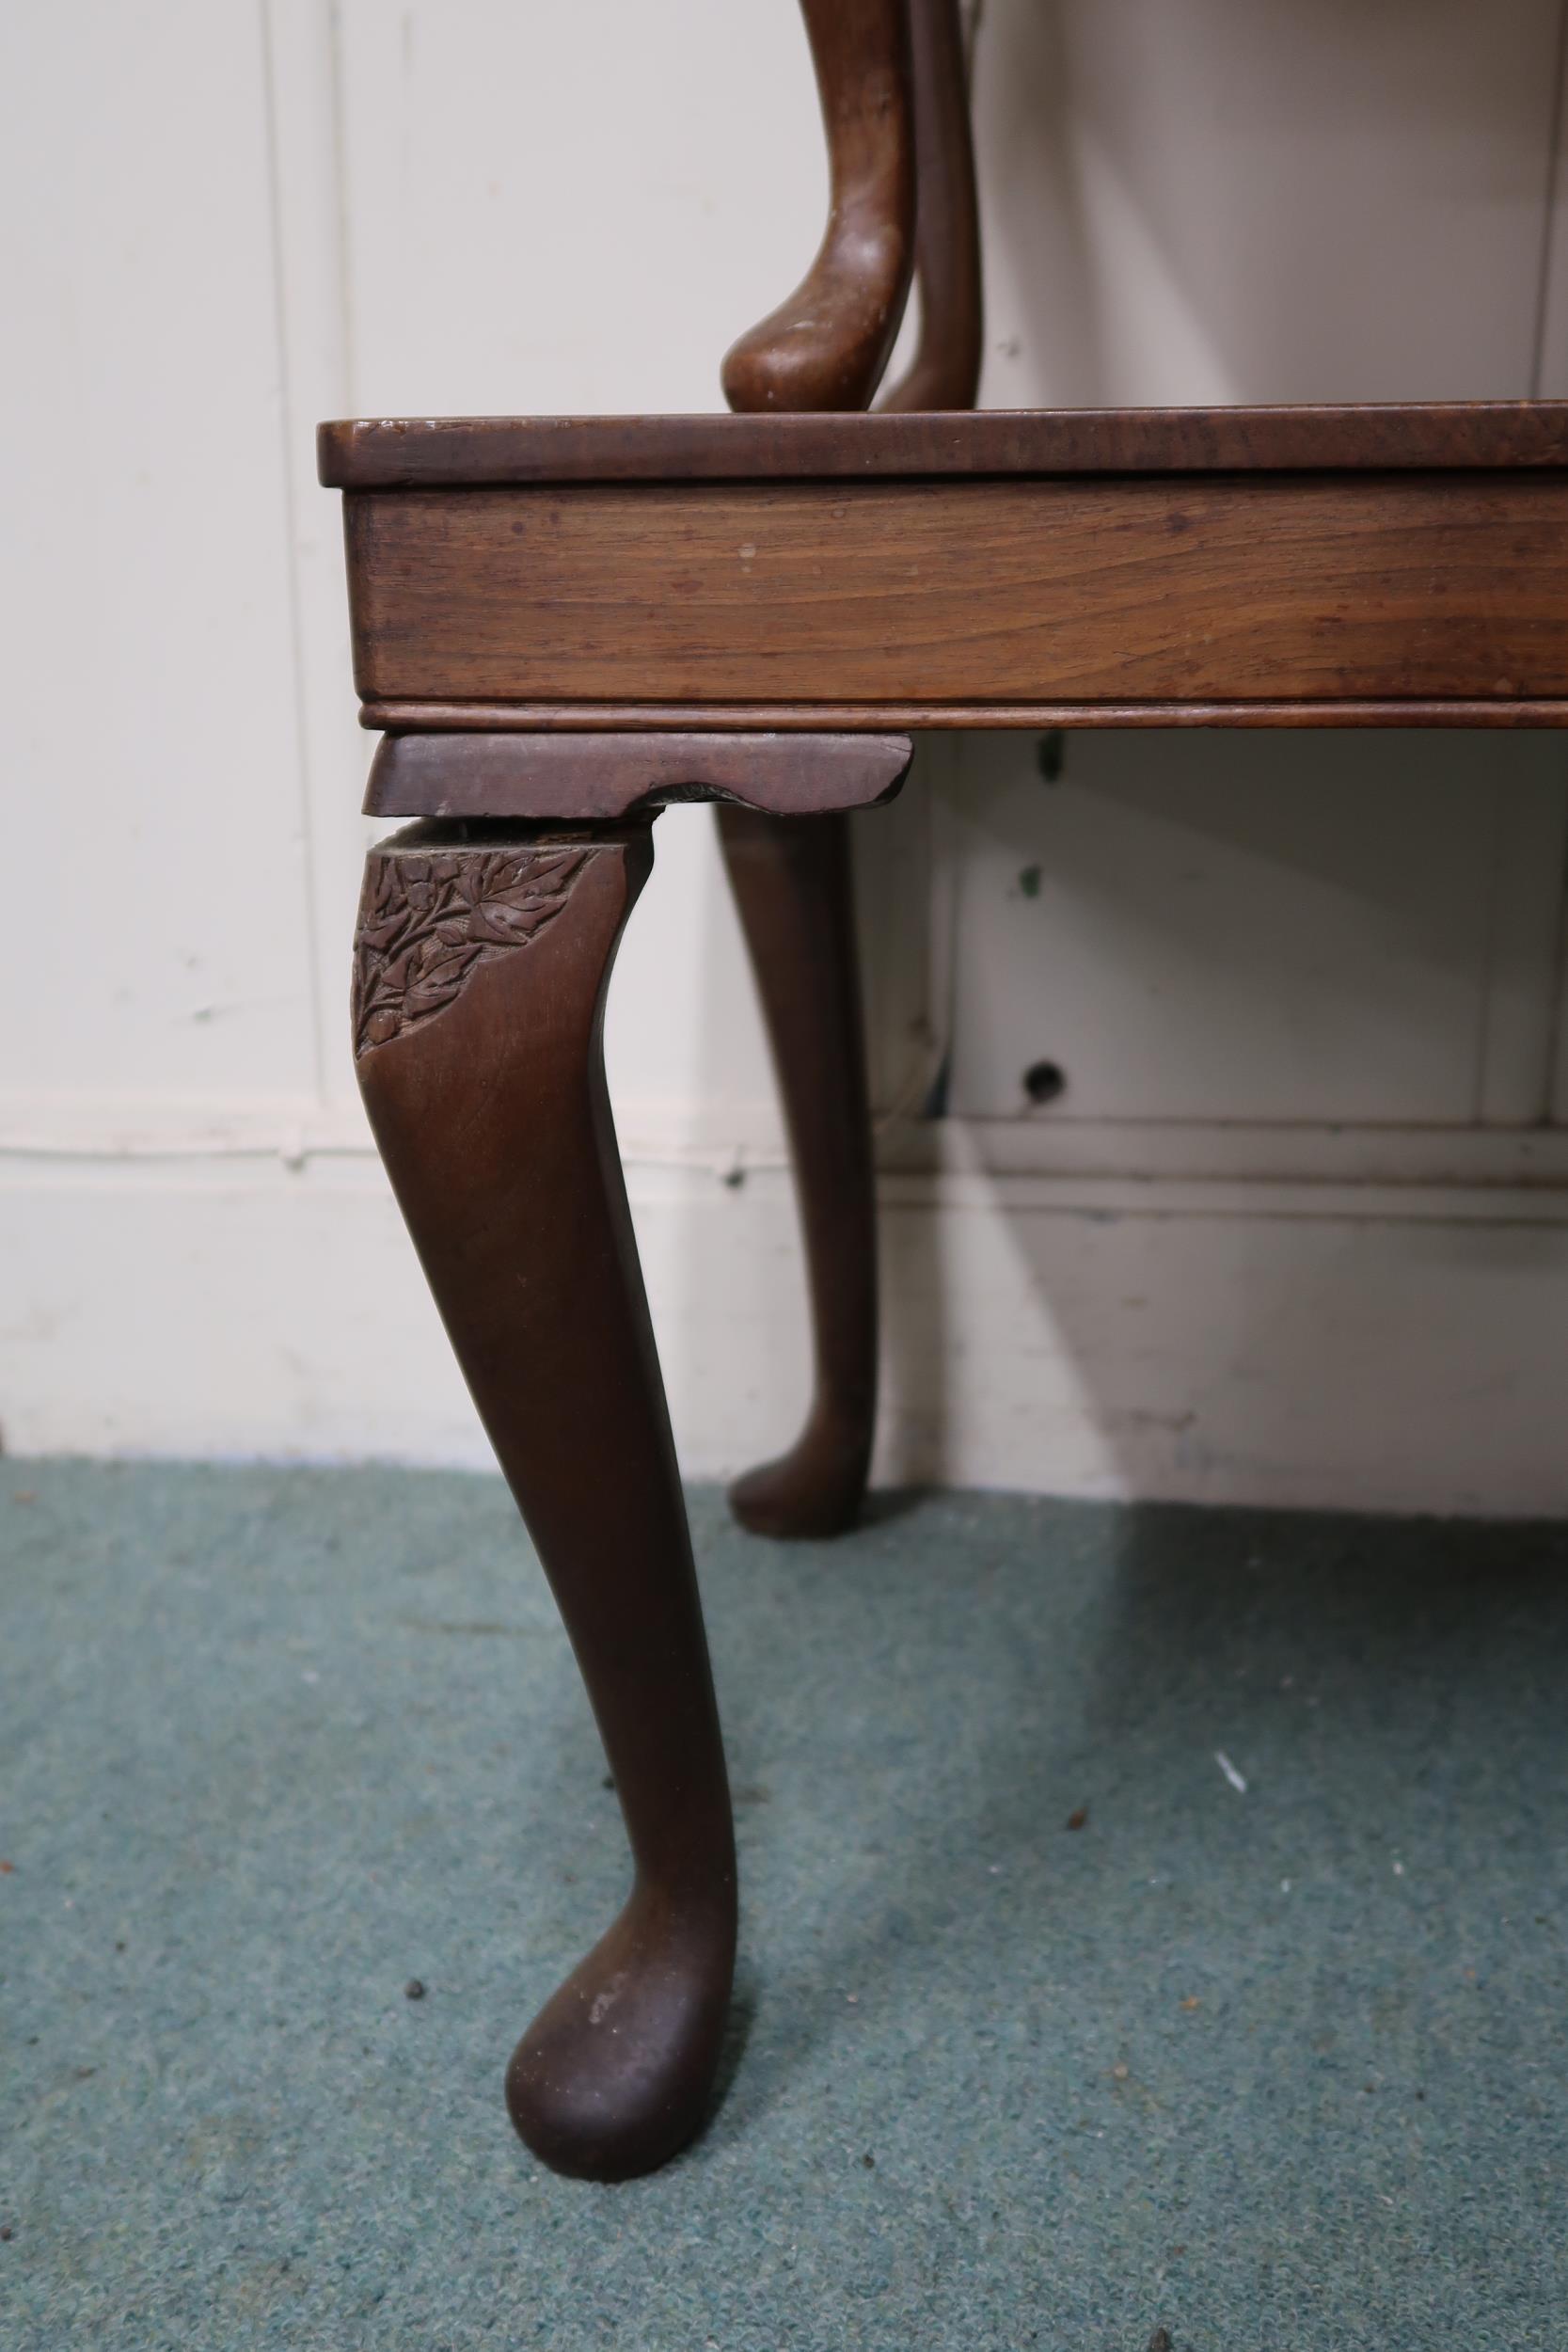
(792, 885)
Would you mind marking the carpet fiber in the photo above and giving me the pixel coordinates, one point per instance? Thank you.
(1271, 2068)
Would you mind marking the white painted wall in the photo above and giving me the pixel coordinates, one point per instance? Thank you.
(1297, 1230)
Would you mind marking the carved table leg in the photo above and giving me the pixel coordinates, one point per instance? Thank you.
(482, 956)
(791, 882)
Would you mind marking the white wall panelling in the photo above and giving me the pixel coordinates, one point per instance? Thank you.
(1347, 1344)
(157, 940)
(1298, 1231)
(1304, 928)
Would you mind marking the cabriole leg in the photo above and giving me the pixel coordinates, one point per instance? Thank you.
(791, 880)
(482, 955)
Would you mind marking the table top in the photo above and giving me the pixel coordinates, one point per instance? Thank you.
(467, 452)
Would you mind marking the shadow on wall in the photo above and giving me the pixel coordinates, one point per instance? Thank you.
(1271, 938)
(1283, 926)
(1244, 1354)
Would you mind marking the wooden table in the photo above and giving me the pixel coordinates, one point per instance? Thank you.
(559, 624)
(562, 623)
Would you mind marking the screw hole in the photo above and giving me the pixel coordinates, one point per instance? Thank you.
(1043, 1081)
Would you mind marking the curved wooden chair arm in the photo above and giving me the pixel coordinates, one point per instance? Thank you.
(827, 345)
(946, 371)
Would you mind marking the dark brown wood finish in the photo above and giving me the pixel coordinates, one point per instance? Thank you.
(792, 887)
(949, 595)
(480, 964)
(791, 883)
(571, 718)
(826, 346)
(946, 371)
(414, 453)
(609, 776)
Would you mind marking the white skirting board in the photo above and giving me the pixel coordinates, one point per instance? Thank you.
(1336, 1345)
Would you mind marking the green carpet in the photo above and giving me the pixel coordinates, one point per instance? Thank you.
(1271, 2070)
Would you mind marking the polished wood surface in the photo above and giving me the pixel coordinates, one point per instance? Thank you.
(945, 369)
(609, 776)
(408, 453)
(793, 891)
(571, 718)
(883, 106)
(826, 345)
(481, 958)
(1283, 588)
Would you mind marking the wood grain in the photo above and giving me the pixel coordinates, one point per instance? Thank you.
(1285, 588)
(395, 453)
(591, 777)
